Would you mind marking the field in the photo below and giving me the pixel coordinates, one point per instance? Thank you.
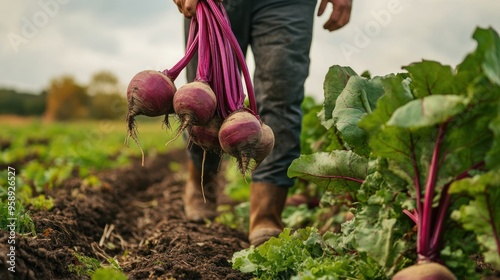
(85, 206)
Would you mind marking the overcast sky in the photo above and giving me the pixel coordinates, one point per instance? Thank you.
(44, 39)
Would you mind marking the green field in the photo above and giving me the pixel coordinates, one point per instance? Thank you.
(87, 144)
(43, 155)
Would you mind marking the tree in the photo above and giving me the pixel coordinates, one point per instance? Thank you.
(107, 99)
(103, 82)
(66, 100)
(108, 106)
(20, 103)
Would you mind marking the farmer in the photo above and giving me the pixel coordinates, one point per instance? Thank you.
(279, 33)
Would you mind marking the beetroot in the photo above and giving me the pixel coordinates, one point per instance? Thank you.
(266, 144)
(195, 104)
(149, 93)
(206, 136)
(239, 136)
(425, 271)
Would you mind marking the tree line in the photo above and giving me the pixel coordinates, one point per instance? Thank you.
(66, 99)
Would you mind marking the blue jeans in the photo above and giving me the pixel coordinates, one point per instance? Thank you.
(279, 33)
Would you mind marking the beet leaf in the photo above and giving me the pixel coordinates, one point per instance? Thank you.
(338, 170)
(482, 214)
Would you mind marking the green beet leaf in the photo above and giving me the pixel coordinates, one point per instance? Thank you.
(428, 111)
(380, 243)
(358, 99)
(482, 214)
(493, 156)
(305, 254)
(397, 93)
(491, 63)
(486, 57)
(404, 128)
(335, 81)
(431, 78)
(399, 146)
(338, 170)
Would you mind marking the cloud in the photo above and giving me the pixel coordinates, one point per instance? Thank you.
(425, 29)
(125, 37)
(122, 13)
(80, 38)
(80, 32)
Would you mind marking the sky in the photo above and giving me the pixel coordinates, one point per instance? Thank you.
(45, 39)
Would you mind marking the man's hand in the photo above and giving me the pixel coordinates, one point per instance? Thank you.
(340, 15)
(187, 7)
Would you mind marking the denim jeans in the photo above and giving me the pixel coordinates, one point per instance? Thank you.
(279, 33)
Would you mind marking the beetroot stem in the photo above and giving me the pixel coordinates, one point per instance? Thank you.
(225, 72)
(191, 47)
(174, 72)
(443, 207)
(203, 70)
(444, 202)
(413, 216)
(230, 93)
(193, 30)
(226, 29)
(426, 215)
(240, 98)
(217, 80)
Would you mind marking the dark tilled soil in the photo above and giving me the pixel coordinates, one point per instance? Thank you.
(137, 217)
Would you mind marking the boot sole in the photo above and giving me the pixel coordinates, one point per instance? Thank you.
(259, 236)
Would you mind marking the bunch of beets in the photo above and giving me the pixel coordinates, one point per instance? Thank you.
(211, 108)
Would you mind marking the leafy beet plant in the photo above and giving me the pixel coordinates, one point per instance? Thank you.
(417, 147)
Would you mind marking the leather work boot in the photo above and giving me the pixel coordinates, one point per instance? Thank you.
(195, 208)
(267, 202)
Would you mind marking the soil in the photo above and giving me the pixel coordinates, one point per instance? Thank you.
(136, 216)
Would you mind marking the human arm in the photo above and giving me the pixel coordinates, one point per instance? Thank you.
(340, 15)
